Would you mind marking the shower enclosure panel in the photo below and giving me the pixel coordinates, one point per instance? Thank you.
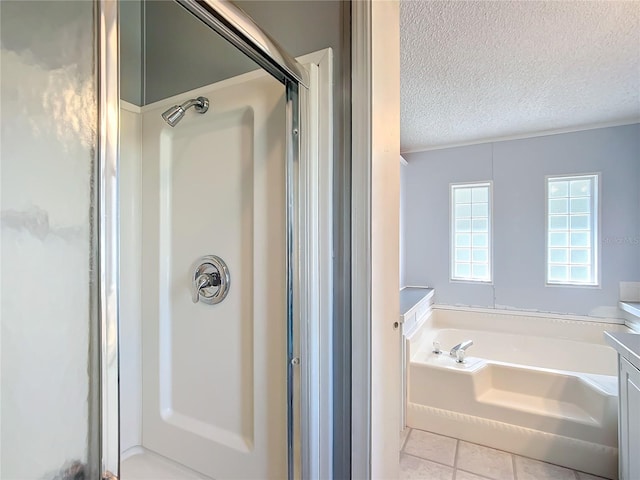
(50, 82)
(215, 376)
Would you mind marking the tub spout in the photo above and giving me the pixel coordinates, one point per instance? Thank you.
(461, 347)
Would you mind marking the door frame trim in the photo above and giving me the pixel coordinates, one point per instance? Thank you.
(316, 274)
(375, 206)
(361, 237)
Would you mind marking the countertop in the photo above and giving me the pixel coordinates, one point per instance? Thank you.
(626, 344)
(410, 296)
(631, 307)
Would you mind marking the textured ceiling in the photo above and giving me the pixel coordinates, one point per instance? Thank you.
(474, 71)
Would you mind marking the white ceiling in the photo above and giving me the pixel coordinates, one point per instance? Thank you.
(476, 71)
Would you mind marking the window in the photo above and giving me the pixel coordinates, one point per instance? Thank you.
(471, 232)
(572, 219)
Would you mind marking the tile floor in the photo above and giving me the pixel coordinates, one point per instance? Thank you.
(427, 456)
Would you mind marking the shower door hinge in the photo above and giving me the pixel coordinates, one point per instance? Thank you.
(109, 476)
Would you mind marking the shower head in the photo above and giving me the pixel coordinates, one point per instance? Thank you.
(173, 115)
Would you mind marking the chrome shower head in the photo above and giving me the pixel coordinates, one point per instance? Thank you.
(173, 115)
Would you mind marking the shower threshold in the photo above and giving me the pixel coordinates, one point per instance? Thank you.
(138, 463)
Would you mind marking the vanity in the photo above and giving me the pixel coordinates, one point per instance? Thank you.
(628, 347)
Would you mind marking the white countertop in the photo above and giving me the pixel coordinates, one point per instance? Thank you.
(631, 307)
(411, 296)
(626, 344)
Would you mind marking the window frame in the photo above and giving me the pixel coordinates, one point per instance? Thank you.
(595, 213)
(452, 231)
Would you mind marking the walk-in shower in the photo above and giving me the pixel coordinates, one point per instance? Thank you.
(190, 202)
(174, 114)
(216, 199)
(221, 383)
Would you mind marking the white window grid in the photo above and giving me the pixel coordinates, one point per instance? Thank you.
(471, 232)
(572, 230)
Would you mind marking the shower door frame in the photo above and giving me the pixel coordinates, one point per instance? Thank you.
(307, 279)
(108, 235)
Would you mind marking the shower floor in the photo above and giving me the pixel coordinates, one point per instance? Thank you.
(138, 463)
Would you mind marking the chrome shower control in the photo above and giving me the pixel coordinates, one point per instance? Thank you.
(211, 280)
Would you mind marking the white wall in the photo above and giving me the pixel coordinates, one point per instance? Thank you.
(214, 397)
(518, 170)
(47, 149)
(130, 277)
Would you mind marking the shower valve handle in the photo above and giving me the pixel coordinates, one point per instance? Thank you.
(203, 281)
(211, 280)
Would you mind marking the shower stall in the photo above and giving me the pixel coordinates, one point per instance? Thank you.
(179, 249)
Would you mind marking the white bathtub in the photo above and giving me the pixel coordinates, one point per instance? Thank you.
(542, 387)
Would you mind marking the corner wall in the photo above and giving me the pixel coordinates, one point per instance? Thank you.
(518, 169)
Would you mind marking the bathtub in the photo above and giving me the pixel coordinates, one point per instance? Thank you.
(544, 387)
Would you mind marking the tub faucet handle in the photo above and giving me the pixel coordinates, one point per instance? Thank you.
(460, 354)
(436, 347)
(461, 346)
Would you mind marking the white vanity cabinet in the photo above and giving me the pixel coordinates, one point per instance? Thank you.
(629, 420)
(628, 347)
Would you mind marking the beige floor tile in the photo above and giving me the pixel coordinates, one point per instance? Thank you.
(485, 461)
(431, 446)
(413, 468)
(460, 475)
(528, 469)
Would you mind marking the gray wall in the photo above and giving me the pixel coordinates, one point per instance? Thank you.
(182, 53)
(174, 52)
(131, 58)
(518, 169)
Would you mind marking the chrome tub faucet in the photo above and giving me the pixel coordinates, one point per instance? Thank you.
(460, 350)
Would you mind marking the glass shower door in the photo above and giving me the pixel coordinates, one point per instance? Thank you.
(48, 340)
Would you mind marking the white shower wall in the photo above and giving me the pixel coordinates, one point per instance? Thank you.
(130, 180)
(205, 385)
